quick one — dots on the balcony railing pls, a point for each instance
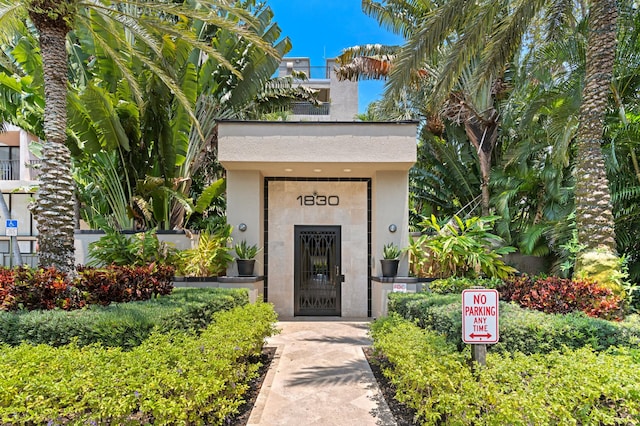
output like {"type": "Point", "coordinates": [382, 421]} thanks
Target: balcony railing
{"type": "Point", "coordinates": [305, 108]}
{"type": "Point", "coordinates": [10, 169]}
{"type": "Point", "coordinates": [321, 73]}
{"type": "Point", "coordinates": [30, 259]}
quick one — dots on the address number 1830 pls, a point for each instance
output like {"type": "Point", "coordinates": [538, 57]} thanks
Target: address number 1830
{"type": "Point", "coordinates": [318, 200]}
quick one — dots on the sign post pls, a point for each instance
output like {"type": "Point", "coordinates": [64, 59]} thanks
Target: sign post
{"type": "Point", "coordinates": [11, 230]}
{"type": "Point", "coordinates": [480, 320]}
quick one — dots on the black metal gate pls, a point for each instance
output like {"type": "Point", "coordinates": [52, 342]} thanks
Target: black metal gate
{"type": "Point", "coordinates": [317, 270]}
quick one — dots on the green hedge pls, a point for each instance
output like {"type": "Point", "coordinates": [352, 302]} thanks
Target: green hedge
{"type": "Point", "coordinates": [571, 387]}
{"type": "Point", "coordinates": [521, 330]}
{"type": "Point", "coordinates": [171, 378]}
{"type": "Point", "coordinates": [123, 325]}
{"type": "Point", "coordinates": [457, 284]}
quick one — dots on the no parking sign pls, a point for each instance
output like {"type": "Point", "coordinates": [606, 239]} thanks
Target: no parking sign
{"type": "Point", "coordinates": [480, 316]}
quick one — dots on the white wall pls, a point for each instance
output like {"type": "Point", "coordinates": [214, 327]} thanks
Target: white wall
{"type": "Point", "coordinates": [285, 212]}
{"type": "Point", "coordinates": [245, 205]}
{"type": "Point", "coordinates": [390, 206]}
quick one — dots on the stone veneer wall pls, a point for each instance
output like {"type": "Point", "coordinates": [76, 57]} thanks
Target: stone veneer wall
{"type": "Point", "coordinates": [285, 211]}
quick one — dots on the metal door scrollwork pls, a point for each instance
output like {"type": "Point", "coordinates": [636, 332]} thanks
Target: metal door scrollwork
{"type": "Point", "coordinates": [317, 284]}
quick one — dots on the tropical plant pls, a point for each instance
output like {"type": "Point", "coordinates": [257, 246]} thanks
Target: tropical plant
{"type": "Point", "coordinates": [21, 82]}
{"type": "Point", "coordinates": [210, 257]}
{"type": "Point", "coordinates": [168, 166]}
{"type": "Point", "coordinates": [390, 251]}
{"type": "Point", "coordinates": [556, 295]}
{"type": "Point", "coordinates": [458, 33]}
{"type": "Point", "coordinates": [468, 106]}
{"type": "Point", "coordinates": [246, 251]}
{"type": "Point", "coordinates": [624, 134]}
{"type": "Point", "coordinates": [139, 249]}
{"type": "Point", "coordinates": [445, 180]}
{"type": "Point", "coordinates": [486, 29]}
{"type": "Point", "coordinates": [153, 24]}
{"type": "Point", "coordinates": [461, 248]}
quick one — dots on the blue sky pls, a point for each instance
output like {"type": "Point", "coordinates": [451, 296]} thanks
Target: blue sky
{"type": "Point", "coordinates": [321, 29]}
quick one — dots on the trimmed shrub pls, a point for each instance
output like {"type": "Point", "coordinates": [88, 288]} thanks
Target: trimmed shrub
{"type": "Point", "coordinates": [174, 378]}
{"type": "Point", "coordinates": [555, 295]}
{"type": "Point", "coordinates": [522, 330]}
{"type": "Point", "coordinates": [195, 313]}
{"type": "Point", "coordinates": [570, 387]}
{"type": "Point", "coordinates": [457, 284]}
{"type": "Point", "coordinates": [527, 331]}
{"type": "Point", "coordinates": [123, 325]}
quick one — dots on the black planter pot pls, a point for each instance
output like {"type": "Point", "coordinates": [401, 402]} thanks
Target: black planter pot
{"type": "Point", "coordinates": [389, 267]}
{"type": "Point", "coordinates": [245, 267]}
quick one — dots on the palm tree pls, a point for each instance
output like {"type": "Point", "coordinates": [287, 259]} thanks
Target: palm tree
{"type": "Point", "coordinates": [474, 108]}
{"type": "Point", "coordinates": [594, 218]}
{"type": "Point", "coordinates": [148, 21]}
{"type": "Point", "coordinates": [533, 183]}
{"type": "Point", "coordinates": [143, 160]}
{"type": "Point", "coordinates": [624, 130]}
{"type": "Point", "coordinates": [494, 33]}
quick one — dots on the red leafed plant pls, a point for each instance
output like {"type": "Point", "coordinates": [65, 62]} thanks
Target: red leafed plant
{"type": "Point", "coordinates": [7, 280]}
{"type": "Point", "coordinates": [556, 295]}
{"type": "Point", "coordinates": [27, 288]}
{"type": "Point", "coordinates": [125, 283]}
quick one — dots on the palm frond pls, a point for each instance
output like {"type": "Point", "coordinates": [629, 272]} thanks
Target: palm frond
{"type": "Point", "coordinates": [12, 14]}
{"type": "Point", "coordinates": [505, 40]}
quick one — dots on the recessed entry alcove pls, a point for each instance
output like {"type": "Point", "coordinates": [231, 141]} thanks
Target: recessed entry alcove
{"type": "Point", "coordinates": [321, 199]}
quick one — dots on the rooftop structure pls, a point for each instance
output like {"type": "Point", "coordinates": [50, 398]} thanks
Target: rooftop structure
{"type": "Point", "coordinates": [339, 98]}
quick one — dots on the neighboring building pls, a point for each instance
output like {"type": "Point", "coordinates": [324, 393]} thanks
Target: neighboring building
{"type": "Point", "coordinates": [321, 199]}
{"type": "Point", "coordinates": [18, 171]}
{"type": "Point", "coordinates": [339, 98]}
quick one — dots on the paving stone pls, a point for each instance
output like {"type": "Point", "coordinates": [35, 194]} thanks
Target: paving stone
{"type": "Point", "coordinates": [320, 377]}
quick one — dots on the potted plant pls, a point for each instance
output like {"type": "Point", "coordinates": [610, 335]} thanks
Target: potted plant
{"type": "Point", "coordinates": [245, 257]}
{"type": "Point", "coordinates": [319, 265]}
{"type": "Point", "coordinates": [390, 260]}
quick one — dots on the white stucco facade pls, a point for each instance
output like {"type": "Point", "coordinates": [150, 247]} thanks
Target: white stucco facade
{"type": "Point", "coordinates": [291, 182]}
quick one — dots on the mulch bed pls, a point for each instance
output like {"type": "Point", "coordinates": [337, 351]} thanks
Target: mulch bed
{"type": "Point", "coordinates": [404, 415]}
{"type": "Point", "coordinates": [242, 418]}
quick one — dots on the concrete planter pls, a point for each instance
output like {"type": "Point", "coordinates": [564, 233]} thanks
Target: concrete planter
{"type": "Point", "coordinates": [198, 282]}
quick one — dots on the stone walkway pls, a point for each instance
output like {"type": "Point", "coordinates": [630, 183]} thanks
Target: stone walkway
{"type": "Point", "coordinates": [320, 376]}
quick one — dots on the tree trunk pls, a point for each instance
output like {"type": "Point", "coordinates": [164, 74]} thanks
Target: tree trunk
{"type": "Point", "coordinates": [483, 135]}
{"type": "Point", "coordinates": [54, 210]}
{"type": "Point", "coordinates": [594, 219]}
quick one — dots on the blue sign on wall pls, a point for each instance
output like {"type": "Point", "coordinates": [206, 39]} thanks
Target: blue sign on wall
{"type": "Point", "coordinates": [11, 228]}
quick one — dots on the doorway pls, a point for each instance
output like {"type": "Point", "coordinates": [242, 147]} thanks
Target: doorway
{"type": "Point", "coordinates": [317, 271]}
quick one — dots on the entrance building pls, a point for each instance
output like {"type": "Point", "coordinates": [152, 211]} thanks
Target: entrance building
{"type": "Point", "coordinates": [321, 199]}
